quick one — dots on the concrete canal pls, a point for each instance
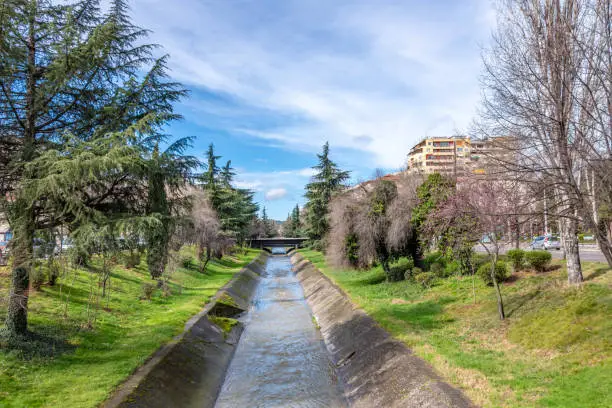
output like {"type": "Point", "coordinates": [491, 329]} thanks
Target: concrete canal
{"type": "Point", "coordinates": [281, 360]}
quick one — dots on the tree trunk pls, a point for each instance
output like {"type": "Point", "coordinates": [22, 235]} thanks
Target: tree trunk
{"type": "Point", "coordinates": [572, 251]}
{"type": "Point", "coordinates": [500, 301]}
{"type": "Point", "coordinates": [24, 218]}
{"type": "Point", "coordinates": [17, 314]}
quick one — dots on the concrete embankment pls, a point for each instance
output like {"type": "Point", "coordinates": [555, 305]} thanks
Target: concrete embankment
{"type": "Point", "coordinates": [377, 370]}
{"type": "Point", "coordinates": [189, 371]}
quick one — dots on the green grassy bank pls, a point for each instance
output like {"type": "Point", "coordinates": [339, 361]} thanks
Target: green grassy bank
{"type": "Point", "coordinates": [553, 350]}
{"type": "Point", "coordinates": [86, 362]}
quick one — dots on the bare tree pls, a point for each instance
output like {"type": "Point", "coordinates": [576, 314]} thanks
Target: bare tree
{"type": "Point", "coordinates": [545, 85]}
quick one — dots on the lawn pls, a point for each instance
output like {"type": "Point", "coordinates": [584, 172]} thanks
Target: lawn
{"type": "Point", "coordinates": [553, 350]}
{"type": "Point", "coordinates": [87, 363]}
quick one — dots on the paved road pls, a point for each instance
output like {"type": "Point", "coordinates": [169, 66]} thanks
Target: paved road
{"type": "Point", "coordinates": [587, 253]}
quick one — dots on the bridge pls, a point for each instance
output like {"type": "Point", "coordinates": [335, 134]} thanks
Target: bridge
{"type": "Point", "coordinates": [262, 243]}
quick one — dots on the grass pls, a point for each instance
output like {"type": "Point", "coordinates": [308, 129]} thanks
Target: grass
{"type": "Point", "coordinates": [553, 350]}
{"type": "Point", "coordinates": [96, 359]}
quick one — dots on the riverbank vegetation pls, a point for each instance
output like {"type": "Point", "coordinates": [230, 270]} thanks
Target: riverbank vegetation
{"type": "Point", "coordinates": [118, 235]}
{"type": "Point", "coordinates": [82, 349]}
{"type": "Point", "coordinates": [552, 350]}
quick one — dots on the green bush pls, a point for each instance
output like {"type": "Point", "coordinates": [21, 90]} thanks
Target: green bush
{"type": "Point", "coordinates": [37, 277]}
{"type": "Point", "coordinates": [425, 279]}
{"type": "Point", "coordinates": [516, 257]}
{"type": "Point", "coordinates": [399, 269]}
{"type": "Point", "coordinates": [132, 260]}
{"type": "Point", "coordinates": [452, 268]}
{"type": "Point", "coordinates": [434, 258]}
{"type": "Point", "coordinates": [187, 261]}
{"type": "Point", "coordinates": [479, 260]}
{"type": "Point", "coordinates": [438, 270]}
{"type": "Point", "coordinates": [412, 273]}
{"type": "Point", "coordinates": [53, 269]}
{"type": "Point", "coordinates": [538, 260]}
{"type": "Point", "coordinates": [501, 272]}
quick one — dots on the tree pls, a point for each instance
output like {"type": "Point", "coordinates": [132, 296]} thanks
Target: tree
{"type": "Point", "coordinates": [296, 223]}
{"type": "Point", "coordinates": [434, 190]}
{"type": "Point", "coordinates": [547, 85]}
{"type": "Point", "coordinates": [373, 223]}
{"type": "Point", "coordinates": [169, 171]}
{"type": "Point", "coordinates": [327, 181]}
{"type": "Point", "coordinates": [481, 207]}
{"type": "Point", "coordinates": [68, 82]}
{"type": "Point", "coordinates": [268, 225]}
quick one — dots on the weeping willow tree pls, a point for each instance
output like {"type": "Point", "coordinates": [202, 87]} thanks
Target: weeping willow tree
{"type": "Point", "coordinates": [73, 106]}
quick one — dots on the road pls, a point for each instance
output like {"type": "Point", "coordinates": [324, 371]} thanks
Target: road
{"type": "Point", "coordinates": [588, 253]}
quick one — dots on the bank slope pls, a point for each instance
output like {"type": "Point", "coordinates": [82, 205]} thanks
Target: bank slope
{"type": "Point", "coordinates": [554, 350]}
{"type": "Point", "coordinates": [78, 365]}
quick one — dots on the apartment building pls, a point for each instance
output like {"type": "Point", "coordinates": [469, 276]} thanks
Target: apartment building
{"type": "Point", "coordinates": [440, 154]}
{"type": "Point", "coordinates": [455, 155]}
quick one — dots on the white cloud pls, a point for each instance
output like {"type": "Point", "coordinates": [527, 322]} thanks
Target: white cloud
{"type": "Point", "coordinates": [371, 76]}
{"type": "Point", "coordinates": [275, 194]}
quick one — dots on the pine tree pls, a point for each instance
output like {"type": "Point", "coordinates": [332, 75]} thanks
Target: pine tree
{"type": "Point", "coordinates": [296, 224]}
{"type": "Point", "coordinates": [68, 75]}
{"type": "Point", "coordinates": [328, 180]}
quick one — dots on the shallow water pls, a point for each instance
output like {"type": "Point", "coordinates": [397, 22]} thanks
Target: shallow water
{"type": "Point", "coordinates": [281, 360]}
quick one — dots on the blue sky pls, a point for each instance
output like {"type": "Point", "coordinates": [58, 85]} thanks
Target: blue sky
{"type": "Point", "coordinates": [272, 80]}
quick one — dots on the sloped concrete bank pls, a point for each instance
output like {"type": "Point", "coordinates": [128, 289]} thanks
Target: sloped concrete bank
{"type": "Point", "coordinates": [377, 370]}
{"type": "Point", "coordinates": [189, 371]}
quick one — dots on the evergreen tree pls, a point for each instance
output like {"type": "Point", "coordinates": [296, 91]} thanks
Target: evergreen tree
{"type": "Point", "coordinates": [68, 75]}
{"type": "Point", "coordinates": [170, 170]}
{"type": "Point", "coordinates": [328, 180]}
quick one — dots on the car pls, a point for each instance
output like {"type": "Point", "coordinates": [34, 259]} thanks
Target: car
{"type": "Point", "coordinates": [65, 245]}
{"type": "Point", "coordinates": [552, 242]}
{"type": "Point", "coordinates": [545, 242]}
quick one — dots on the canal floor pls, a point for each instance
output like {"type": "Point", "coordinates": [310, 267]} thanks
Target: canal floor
{"type": "Point", "coordinates": [281, 360]}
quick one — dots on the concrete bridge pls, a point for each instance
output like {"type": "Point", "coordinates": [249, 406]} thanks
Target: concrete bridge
{"type": "Point", "coordinates": [262, 243]}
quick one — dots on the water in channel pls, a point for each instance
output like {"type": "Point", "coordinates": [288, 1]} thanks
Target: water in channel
{"type": "Point", "coordinates": [281, 360]}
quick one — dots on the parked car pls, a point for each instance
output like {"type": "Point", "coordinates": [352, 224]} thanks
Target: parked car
{"type": "Point", "coordinates": [42, 248]}
{"type": "Point", "coordinates": [65, 245]}
{"type": "Point", "coordinates": [4, 253]}
{"type": "Point", "coordinates": [546, 242]}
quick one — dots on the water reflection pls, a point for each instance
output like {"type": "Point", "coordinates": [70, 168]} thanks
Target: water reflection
{"type": "Point", "coordinates": [281, 360]}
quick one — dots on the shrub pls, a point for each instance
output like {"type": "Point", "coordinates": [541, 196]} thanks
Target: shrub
{"type": "Point", "coordinates": [433, 258]}
{"type": "Point", "coordinates": [412, 273]}
{"type": "Point", "coordinates": [501, 272]}
{"type": "Point", "coordinates": [479, 260]}
{"type": "Point", "coordinates": [425, 279]}
{"type": "Point", "coordinates": [538, 260]}
{"type": "Point", "coordinates": [399, 269]}
{"type": "Point", "coordinates": [437, 269]}
{"type": "Point", "coordinates": [132, 260]}
{"type": "Point", "coordinates": [147, 290]}
{"type": "Point", "coordinates": [54, 270]}
{"type": "Point", "coordinates": [187, 261]}
{"type": "Point", "coordinates": [37, 277]}
{"type": "Point", "coordinates": [452, 268]}
{"type": "Point", "coordinates": [516, 257]}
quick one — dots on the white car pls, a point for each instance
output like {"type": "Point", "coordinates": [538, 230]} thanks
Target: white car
{"type": "Point", "coordinates": [546, 242]}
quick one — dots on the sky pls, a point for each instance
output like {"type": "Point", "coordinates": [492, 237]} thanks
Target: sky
{"type": "Point", "coordinates": [272, 80]}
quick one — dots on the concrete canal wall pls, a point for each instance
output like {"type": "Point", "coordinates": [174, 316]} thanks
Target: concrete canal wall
{"type": "Point", "coordinates": [377, 370]}
{"type": "Point", "coordinates": [189, 371]}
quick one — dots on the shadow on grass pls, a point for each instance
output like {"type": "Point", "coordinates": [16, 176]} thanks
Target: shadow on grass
{"type": "Point", "coordinates": [46, 342]}
{"type": "Point", "coordinates": [516, 302]}
{"type": "Point", "coordinates": [598, 272]}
